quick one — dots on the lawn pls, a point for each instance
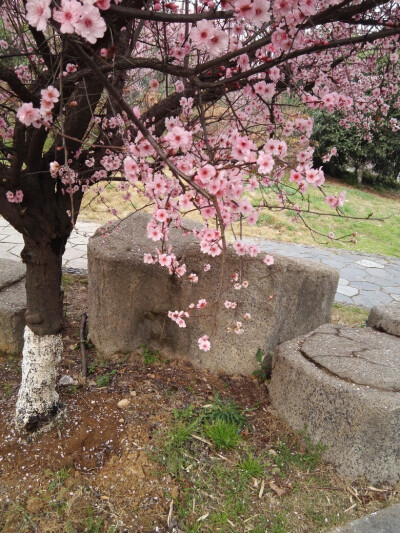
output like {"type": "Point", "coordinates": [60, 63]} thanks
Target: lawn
{"type": "Point", "coordinates": [361, 207]}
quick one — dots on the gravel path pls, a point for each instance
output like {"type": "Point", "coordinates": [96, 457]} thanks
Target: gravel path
{"type": "Point", "coordinates": [365, 280]}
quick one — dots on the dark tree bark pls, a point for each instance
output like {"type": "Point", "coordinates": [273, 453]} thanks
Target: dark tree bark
{"type": "Point", "coordinates": [43, 260]}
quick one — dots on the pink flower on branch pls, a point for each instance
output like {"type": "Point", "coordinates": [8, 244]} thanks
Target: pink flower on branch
{"type": "Point", "coordinates": [38, 13]}
{"type": "Point", "coordinates": [28, 115]}
{"type": "Point", "coordinates": [15, 198]}
{"type": "Point", "coordinates": [204, 343]}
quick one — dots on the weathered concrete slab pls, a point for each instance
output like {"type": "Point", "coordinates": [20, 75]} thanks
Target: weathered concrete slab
{"type": "Point", "coordinates": [129, 300]}
{"type": "Point", "coordinates": [12, 317]}
{"type": "Point", "coordinates": [342, 385]}
{"type": "Point", "coordinates": [386, 318]}
{"type": "Point", "coordinates": [385, 521]}
{"type": "Point", "coordinates": [10, 272]}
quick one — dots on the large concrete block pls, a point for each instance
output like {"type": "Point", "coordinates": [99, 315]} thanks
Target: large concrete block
{"type": "Point", "coordinates": [12, 306]}
{"type": "Point", "coordinates": [342, 386]}
{"type": "Point", "coordinates": [386, 318]}
{"type": "Point", "coordinates": [129, 300]}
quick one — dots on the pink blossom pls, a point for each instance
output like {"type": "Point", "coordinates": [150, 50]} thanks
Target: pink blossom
{"type": "Point", "coordinates": [180, 271]}
{"type": "Point", "coordinates": [154, 85]}
{"type": "Point", "coordinates": [90, 25]}
{"type": "Point", "coordinates": [38, 13]}
{"type": "Point", "coordinates": [67, 16]}
{"type": "Point", "coordinates": [204, 343]}
{"type": "Point", "coordinates": [164, 260]}
{"type": "Point", "coordinates": [161, 215]}
{"type": "Point", "coordinates": [201, 304]}
{"type": "Point", "coordinates": [51, 94]}
{"type": "Point", "coordinates": [179, 86]}
{"type": "Point", "coordinates": [259, 13]}
{"type": "Point", "coordinates": [269, 260]}
{"type": "Point", "coordinates": [103, 4]}
{"type": "Point", "coordinates": [178, 138]}
{"type": "Point", "coordinates": [15, 198]}
{"type": "Point", "coordinates": [131, 169]}
{"type": "Point", "coordinates": [154, 233]}
{"type": "Point", "coordinates": [265, 163]}
{"type": "Point", "coordinates": [27, 114]}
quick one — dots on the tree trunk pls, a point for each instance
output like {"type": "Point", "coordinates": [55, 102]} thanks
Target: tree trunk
{"type": "Point", "coordinates": [38, 400]}
{"type": "Point", "coordinates": [360, 173]}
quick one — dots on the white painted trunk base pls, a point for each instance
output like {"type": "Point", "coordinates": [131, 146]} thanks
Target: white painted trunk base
{"type": "Point", "coordinates": [37, 397]}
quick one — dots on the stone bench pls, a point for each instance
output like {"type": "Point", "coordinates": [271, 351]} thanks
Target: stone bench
{"type": "Point", "coordinates": [129, 300]}
{"type": "Point", "coordinates": [342, 385]}
{"type": "Point", "coordinates": [12, 306]}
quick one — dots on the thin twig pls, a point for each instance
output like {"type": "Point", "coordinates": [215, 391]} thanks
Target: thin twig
{"type": "Point", "coordinates": [83, 344]}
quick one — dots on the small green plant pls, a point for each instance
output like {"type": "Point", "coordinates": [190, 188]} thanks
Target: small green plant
{"type": "Point", "coordinates": [104, 380]}
{"type": "Point", "coordinates": [149, 357]}
{"type": "Point", "coordinates": [7, 389]}
{"type": "Point", "coordinates": [179, 435]}
{"type": "Point", "coordinates": [251, 467]}
{"type": "Point", "coordinates": [186, 414]}
{"type": "Point", "coordinates": [223, 434]}
{"type": "Point", "coordinates": [93, 525]}
{"type": "Point", "coordinates": [58, 478]}
{"type": "Point", "coordinates": [306, 459]}
{"type": "Point", "coordinates": [279, 524]}
{"type": "Point", "coordinates": [265, 361]}
{"type": "Point", "coordinates": [225, 411]}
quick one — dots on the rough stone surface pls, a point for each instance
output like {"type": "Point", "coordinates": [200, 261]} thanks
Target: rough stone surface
{"type": "Point", "coordinates": [386, 318]}
{"type": "Point", "coordinates": [10, 272]}
{"type": "Point", "coordinates": [12, 317]}
{"type": "Point", "coordinates": [129, 300]}
{"type": "Point", "coordinates": [385, 521]}
{"type": "Point", "coordinates": [342, 385]}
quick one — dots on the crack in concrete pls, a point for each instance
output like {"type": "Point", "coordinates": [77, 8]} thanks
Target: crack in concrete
{"type": "Point", "coordinates": [341, 378]}
{"type": "Point", "coordinates": [355, 356]}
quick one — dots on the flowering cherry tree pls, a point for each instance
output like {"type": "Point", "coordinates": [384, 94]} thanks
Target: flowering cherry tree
{"type": "Point", "coordinates": [194, 105]}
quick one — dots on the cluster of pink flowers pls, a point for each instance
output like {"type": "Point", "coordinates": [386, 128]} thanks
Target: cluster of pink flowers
{"type": "Point", "coordinates": [204, 343]}
{"type": "Point", "coordinates": [178, 317]}
{"type": "Point", "coordinates": [29, 115]}
{"type": "Point", "coordinates": [209, 38]}
{"type": "Point", "coordinates": [335, 201]}
{"type": "Point", "coordinates": [84, 19]}
{"type": "Point", "coordinates": [15, 198]}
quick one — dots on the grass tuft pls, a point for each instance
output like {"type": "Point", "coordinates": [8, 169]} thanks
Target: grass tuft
{"type": "Point", "coordinates": [223, 434]}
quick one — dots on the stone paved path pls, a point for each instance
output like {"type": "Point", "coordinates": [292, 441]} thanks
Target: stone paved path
{"type": "Point", "coordinates": [365, 280]}
{"type": "Point", "coordinates": [11, 244]}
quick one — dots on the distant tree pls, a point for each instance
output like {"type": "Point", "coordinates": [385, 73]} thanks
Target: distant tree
{"type": "Point", "coordinates": [368, 154]}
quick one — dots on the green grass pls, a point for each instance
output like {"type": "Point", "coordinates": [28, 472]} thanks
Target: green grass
{"type": "Point", "coordinates": [149, 357]}
{"type": "Point", "coordinates": [349, 315]}
{"type": "Point", "coordinates": [373, 236]}
{"type": "Point", "coordinates": [223, 434]}
{"type": "Point", "coordinates": [105, 379]}
{"type": "Point", "coordinates": [229, 485]}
